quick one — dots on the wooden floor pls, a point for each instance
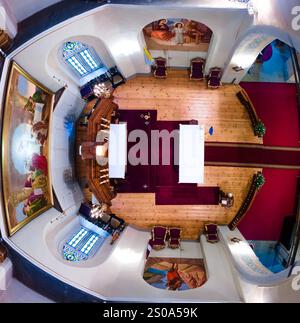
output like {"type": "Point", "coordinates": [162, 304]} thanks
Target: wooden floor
{"type": "Point", "coordinates": [140, 209]}
{"type": "Point", "coordinates": [178, 98]}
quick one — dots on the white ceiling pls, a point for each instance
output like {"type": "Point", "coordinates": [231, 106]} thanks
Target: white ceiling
{"type": "Point", "coordinates": [25, 8]}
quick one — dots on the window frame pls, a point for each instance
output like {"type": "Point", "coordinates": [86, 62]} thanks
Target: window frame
{"type": "Point", "coordinates": [84, 57]}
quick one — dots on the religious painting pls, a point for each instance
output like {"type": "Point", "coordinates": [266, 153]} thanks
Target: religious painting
{"type": "Point", "coordinates": [177, 34]}
{"type": "Point", "coordinates": [25, 141]}
{"type": "Point", "coordinates": [175, 273]}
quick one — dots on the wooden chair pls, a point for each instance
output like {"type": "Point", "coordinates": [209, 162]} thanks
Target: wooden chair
{"type": "Point", "coordinates": [211, 232]}
{"type": "Point", "coordinates": [197, 66]}
{"type": "Point", "coordinates": [160, 70]}
{"type": "Point", "coordinates": [214, 78]}
{"type": "Point", "coordinates": [159, 235]}
{"type": "Point", "coordinates": [174, 238]}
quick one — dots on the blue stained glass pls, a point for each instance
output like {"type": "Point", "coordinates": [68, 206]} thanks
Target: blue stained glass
{"type": "Point", "coordinates": [82, 244]}
{"type": "Point", "coordinates": [81, 58]}
{"type": "Point", "coordinates": [71, 48]}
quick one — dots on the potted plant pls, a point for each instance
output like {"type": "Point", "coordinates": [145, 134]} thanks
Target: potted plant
{"type": "Point", "coordinates": [259, 180]}
{"type": "Point", "coordinates": [259, 129]}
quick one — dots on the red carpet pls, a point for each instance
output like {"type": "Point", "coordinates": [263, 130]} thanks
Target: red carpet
{"type": "Point", "coordinates": [276, 106]}
{"type": "Point", "coordinates": [272, 204]}
{"type": "Point", "coordinates": [251, 155]}
{"type": "Point", "coordinates": [139, 178]}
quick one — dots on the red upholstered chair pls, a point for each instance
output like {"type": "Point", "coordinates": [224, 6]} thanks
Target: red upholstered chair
{"type": "Point", "coordinates": [174, 237]}
{"type": "Point", "coordinates": [197, 66]}
{"type": "Point", "coordinates": [211, 232]}
{"type": "Point", "coordinates": [158, 240]}
{"type": "Point", "coordinates": [160, 70]}
{"type": "Point", "coordinates": [214, 78]}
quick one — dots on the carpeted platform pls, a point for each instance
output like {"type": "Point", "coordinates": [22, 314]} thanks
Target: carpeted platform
{"type": "Point", "coordinates": [161, 179]}
{"type": "Point", "coordinates": [272, 204]}
{"type": "Point", "coordinates": [276, 106]}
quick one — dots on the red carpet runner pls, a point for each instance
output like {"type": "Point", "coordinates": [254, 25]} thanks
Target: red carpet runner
{"type": "Point", "coordinates": [224, 154]}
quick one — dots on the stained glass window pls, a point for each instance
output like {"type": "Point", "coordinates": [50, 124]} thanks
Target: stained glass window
{"type": "Point", "coordinates": [83, 244]}
{"type": "Point", "coordinates": [81, 58]}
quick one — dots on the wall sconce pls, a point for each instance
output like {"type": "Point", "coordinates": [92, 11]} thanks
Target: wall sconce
{"type": "Point", "coordinates": [238, 68]}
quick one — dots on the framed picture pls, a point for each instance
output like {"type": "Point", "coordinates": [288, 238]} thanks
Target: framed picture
{"type": "Point", "coordinates": [25, 149]}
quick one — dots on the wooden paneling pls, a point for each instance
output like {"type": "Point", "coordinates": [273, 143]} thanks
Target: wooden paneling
{"type": "Point", "coordinates": [140, 209]}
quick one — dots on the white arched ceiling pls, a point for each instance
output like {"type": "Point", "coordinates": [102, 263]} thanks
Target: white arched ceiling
{"type": "Point", "coordinates": [245, 55]}
{"type": "Point", "coordinates": [249, 46]}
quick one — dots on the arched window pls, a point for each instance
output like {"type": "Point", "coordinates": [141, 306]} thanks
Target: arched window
{"type": "Point", "coordinates": [81, 58]}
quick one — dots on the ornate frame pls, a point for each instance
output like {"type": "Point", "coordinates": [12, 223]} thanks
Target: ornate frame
{"type": "Point", "coordinates": [6, 149]}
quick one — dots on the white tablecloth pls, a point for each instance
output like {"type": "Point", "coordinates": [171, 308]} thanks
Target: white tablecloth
{"type": "Point", "coordinates": [117, 150]}
{"type": "Point", "coordinates": [191, 154]}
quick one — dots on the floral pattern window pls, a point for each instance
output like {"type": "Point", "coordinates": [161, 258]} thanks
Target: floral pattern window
{"type": "Point", "coordinates": [82, 59]}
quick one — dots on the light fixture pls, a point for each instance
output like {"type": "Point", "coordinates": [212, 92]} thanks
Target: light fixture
{"type": "Point", "coordinates": [238, 68]}
{"type": "Point", "coordinates": [101, 91]}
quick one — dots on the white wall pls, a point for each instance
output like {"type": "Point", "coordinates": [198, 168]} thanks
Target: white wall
{"type": "Point", "coordinates": [69, 195]}
{"type": "Point", "coordinates": [178, 58]}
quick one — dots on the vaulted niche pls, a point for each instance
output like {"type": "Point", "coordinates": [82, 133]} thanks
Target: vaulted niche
{"type": "Point", "coordinates": [177, 34]}
{"type": "Point", "coordinates": [81, 58]}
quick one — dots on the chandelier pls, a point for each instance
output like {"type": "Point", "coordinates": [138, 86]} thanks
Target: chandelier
{"type": "Point", "coordinates": [101, 91]}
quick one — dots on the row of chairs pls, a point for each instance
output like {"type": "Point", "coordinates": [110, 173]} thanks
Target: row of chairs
{"type": "Point", "coordinates": [160, 236]}
{"type": "Point", "coordinates": [196, 71]}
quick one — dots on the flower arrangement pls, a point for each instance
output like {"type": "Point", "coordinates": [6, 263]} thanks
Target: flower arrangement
{"type": "Point", "coordinates": [259, 129]}
{"type": "Point", "coordinates": [259, 180]}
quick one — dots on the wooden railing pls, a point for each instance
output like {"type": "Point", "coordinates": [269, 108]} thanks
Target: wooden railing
{"type": "Point", "coordinates": [246, 204]}
{"type": "Point", "coordinates": [102, 191]}
{"type": "Point", "coordinates": [246, 102]}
